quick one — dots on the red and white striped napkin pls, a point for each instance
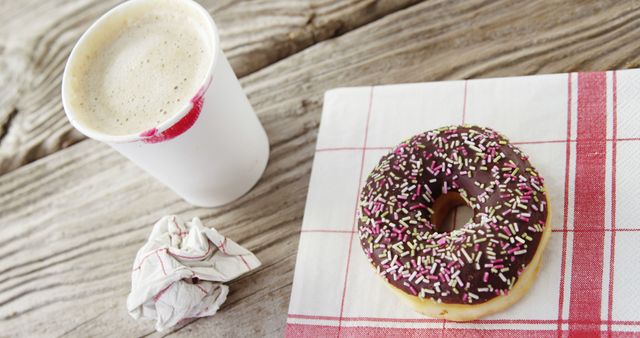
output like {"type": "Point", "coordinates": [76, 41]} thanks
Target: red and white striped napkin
{"type": "Point", "coordinates": [582, 132]}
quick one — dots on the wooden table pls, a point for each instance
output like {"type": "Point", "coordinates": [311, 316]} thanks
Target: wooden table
{"type": "Point", "coordinates": [73, 212]}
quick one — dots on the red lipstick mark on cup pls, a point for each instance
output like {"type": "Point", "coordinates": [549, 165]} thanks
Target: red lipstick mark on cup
{"type": "Point", "coordinates": [149, 133]}
{"type": "Point", "coordinates": [153, 136]}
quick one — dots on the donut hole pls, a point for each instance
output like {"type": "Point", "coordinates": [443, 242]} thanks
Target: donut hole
{"type": "Point", "coordinates": [450, 212]}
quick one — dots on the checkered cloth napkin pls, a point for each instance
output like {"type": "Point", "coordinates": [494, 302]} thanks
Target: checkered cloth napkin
{"type": "Point", "coordinates": [582, 132]}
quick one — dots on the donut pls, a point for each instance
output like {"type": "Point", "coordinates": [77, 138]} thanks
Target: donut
{"type": "Point", "coordinates": [455, 274]}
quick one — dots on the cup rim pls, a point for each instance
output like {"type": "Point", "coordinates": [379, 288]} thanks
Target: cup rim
{"type": "Point", "coordinates": [166, 124]}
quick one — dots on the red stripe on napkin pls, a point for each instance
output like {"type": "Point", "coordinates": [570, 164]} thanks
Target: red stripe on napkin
{"type": "Point", "coordinates": [589, 207]}
{"type": "Point", "coordinates": [304, 330]}
{"type": "Point", "coordinates": [565, 212]}
{"type": "Point", "coordinates": [614, 151]}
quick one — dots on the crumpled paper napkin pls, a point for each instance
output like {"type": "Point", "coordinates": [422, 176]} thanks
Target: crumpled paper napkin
{"type": "Point", "coordinates": [178, 273]}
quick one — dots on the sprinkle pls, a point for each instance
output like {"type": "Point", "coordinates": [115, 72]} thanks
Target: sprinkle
{"type": "Point", "coordinates": [466, 255]}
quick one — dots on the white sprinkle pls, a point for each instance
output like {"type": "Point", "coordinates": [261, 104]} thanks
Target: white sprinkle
{"type": "Point", "coordinates": [413, 275]}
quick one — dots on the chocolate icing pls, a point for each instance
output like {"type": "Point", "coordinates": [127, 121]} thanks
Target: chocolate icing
{"type": "Point", "coordinates": [470, 265]}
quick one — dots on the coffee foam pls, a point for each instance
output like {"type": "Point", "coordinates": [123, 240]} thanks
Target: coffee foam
{"type": "Point", "coordinates": [139, 67]}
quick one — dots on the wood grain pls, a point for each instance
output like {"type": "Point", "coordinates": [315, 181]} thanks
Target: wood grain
{"type": "Point", "coordinates": [72, 221]}
{"type": "Point", "coordinates": [36, 39]}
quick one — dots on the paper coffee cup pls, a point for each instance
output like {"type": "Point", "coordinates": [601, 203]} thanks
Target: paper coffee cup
{"type": "Point", "coordinates": [213, 150]}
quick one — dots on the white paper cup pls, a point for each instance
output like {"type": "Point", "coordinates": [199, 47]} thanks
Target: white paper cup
{"type": "Point", "coordinates": [210, 152]}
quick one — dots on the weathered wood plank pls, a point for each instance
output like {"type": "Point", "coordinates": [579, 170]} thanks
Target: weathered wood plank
{"type": "Point", "coordinates": [36, 39]}
{"type": "Point", "coordinates": [72, 222]}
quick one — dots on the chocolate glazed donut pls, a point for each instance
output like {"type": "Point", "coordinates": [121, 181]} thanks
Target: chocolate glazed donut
{"type": "Point", "coordinates": [456, 274]}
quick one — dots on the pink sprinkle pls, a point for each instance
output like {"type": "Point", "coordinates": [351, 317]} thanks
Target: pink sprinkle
{"type": "Point", "coordinates": [485, 278]}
